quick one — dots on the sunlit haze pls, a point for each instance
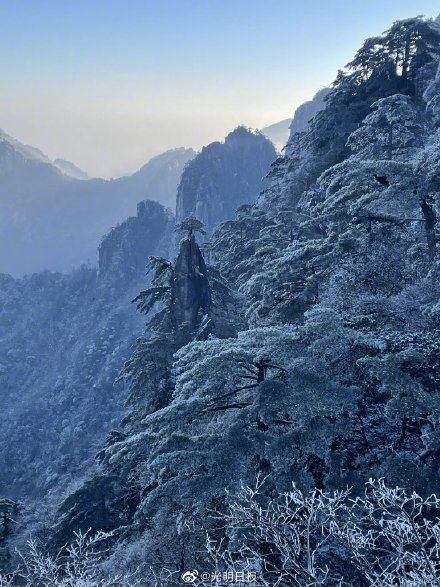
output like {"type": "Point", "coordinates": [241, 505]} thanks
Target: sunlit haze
{"type": "Point", "coordinates": [107, 85]}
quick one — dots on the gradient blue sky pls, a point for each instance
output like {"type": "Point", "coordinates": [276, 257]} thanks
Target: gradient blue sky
{"type": "Point", "coordinates": [109, 83]}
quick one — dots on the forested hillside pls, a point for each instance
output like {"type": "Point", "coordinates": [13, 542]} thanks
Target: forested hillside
{"type": "Point", "coordinates": [63, 340]}
{"type": "Point", "coordinates": [299, 345]}
{"type": "Point", "coordinates": [335, 273]}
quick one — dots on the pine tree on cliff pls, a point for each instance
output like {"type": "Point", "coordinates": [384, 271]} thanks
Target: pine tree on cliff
{"type": "Point", "coordinates": [186, 301]}
{"type": "Point", "coordinates": [181, 288]}
{"type": "Point", "coordinates": [177, 300]}
{"type": "Point", "coordinates": [397, 59]}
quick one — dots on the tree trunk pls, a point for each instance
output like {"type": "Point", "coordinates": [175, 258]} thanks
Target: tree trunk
{"type": "Point", "coordinates": [426, 205]}
{"type": "Point", "coordinates": [406, 56]}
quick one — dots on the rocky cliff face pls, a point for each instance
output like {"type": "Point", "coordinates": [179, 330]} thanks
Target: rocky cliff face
{"type": "Point", "coordinates": [304, 113]}
{"type": "Point", "coordinates": [124, 251]}
{"type": "Point", "coordinates": [190, 291]}
{"type": "Point", "coordinates": [224, 176]}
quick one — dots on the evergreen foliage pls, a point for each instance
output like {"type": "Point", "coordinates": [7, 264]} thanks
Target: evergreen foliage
{"type": "Point", "coordinates": [301, 344]}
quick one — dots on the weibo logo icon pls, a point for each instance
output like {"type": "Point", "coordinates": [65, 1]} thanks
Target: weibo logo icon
{"type": "Point", "coordinates": [189, 576]}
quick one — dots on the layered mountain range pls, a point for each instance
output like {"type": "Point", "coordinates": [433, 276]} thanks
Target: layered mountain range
{"type": "Point", "coordinates": [52, 215]}
{"type": "Point", "coordinates": [53, 220]}
{"type": "Point", "coordinates": [298, 345]}
{"type": "Point", "coordinates": [57, 327]}
{"type": "Point", "coordinates": [327, 374]}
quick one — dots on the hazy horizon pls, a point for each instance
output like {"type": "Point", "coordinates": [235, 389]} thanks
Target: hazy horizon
{"type": "Point", "coordinates": [109, 87]}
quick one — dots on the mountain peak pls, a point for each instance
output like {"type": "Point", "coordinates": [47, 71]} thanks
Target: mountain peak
{"type": "Point", "coordinates": [33, 154]}
{"type": "Point", "coordinates": [239, 134]}
{"type": "Point", "coordinates": [223, 176]}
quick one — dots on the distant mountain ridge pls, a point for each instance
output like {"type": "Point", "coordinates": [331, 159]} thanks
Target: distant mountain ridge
{"type": "Point", "coordinates": [50, 220]}
{"type": "Point", "coordinates": [66, 167]}
{"type": "Point", "coordinates": [26, 150]}
{"type": "Point", "coordinates": [70, 169]}
{"type": "Point", "coordinates": [278, 133]}
{"type": "Point", "coordinates": [52, 214]}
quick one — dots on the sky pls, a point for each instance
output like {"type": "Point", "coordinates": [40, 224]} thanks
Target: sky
{"type": "Point", "coordinates": [108, 84]}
